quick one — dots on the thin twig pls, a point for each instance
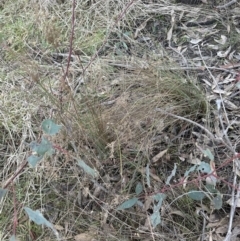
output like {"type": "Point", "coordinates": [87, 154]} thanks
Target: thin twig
{"type": "Point", "coordinates": [217, 139]}
{"type": "Point", "coordinates": [71, 41]}
{"type": "Point", "coordinates": [234, 201]}
{"type": "Point", "coordinates": [227, 4]}
{"type": "Point", "coordinates": [63, 80]}
{"type": "Point", "coordinates": [15, 216]}
{"type": "Point", "coordinates": [224, 130]}
{"type": "Point", "coordinates": [20, 169]}
{"type": "Point", "coordinates": [195, 123]}
{"type": "Point", "coordinates": [190, 121]}
{"type": "Point", "coordinates": [204, 225]}
{"type": "Point", "coordinates": [135, 66]}
{"type": "Point", "coordinates": [201, 68]}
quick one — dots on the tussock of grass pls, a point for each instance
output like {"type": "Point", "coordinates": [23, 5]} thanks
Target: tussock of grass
{"type": "Point", "coordinates": [141, 93]}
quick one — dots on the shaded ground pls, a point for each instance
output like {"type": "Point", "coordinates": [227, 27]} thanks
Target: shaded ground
{"type": "Point", "coordinates": [135, 71]}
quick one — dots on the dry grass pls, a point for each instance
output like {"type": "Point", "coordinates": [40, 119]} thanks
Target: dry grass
{"type": "Point", "coordinates": [109, 121]}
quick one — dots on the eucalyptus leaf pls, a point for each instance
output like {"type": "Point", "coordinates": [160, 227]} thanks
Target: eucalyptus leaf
{"type": "Point", "coordinates": [196, 195]}
{"type": "Point", "coordinates": [139, 188]}
{"type": "Point", "coordinates": [204, 168]}
{"type": "Point", "coordinates": [155, 219]}
{"type": "Point", "coordinates": [128, 204]}
{"type": "Point", "coordinates": [50, 127]}
{"type": "Point", "coordinates": [87, 169]}
{"type": "Point", "coordinates": [42, 148]}
{"type": "Point", "coordinates": [33, 160]}
{"type": "Point", "coordinates": [209, 154]}
{"type": "Point", "coordinates": [172, 174]}
{"type": "Point", "coordinates": [37, 217]}
{"type": "Point", "coordinates": [192, 169]}
{"type": "Point", "coordinates": [159, 197]}
{"type": "Point", "coordinates": [140, 204]}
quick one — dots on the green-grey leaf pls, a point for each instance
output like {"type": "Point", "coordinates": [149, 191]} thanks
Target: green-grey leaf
{"type": "Point", "coordinates": [138, 188]}
{"type": "Point", "coordinates": [192, 169]}
{"type": "Point", "coordinates": [155, 219]}
{"type": "Point", "coordinates": [2, 193]}
{"type": "Point", "coordinates": [211, 188]}
{"type": "Point", "coordinates": [33, 145]}
{"type": "Point", "coordinates": [139, 203]}
{"type": "Point", "coordinates": [128, 204]}
{"type": "Point", "coordinates": [37, 217]}
{"type": "Point", "coordinates": [204, 168]}
{"type": "Point", "coordinates": [159, 197]}
{"type": "Point", "coordinates": [87, 168]}
{"type": "Point", "coordinates": [43, 147]}
{"type": "Point", "coordinates": [209, 154]}
{"type": "Point", "coordinates": [49, 127]}
{"type": "Point", "coordinates": [33, 160]}
{"type": "Point", "coordinates": [172, 174]}
{"type": "Point", "coordinates": [217, 202]}
{"type": "Point", "coordinates": [50, 152]}
{"type": "Point", "coordinates": [196, 195]}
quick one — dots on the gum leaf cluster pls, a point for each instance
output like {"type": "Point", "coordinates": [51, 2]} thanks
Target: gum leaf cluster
{"type": "Point", "coordinates": [39, 150]}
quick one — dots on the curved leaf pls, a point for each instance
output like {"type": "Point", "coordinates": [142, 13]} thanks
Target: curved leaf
{"type": "Point", "coordinates": [192, 169]}
{"type": "Point", "coordinates": [155, 219]}
{"type": "Point", "coordinates": [37, 217]}
{"type": "Point", "coordinates": [139, 188]}
{"type": "Point", "coordinates": [209, 154]}
{"type": "Point", "coordinates": [196, 195]}
{"type": "Point", "coordinates": [172, 174]}
{"type": "Point", "coordinates": [87, 168]}
{"type": "Point", "coordinates": [128, 204]}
